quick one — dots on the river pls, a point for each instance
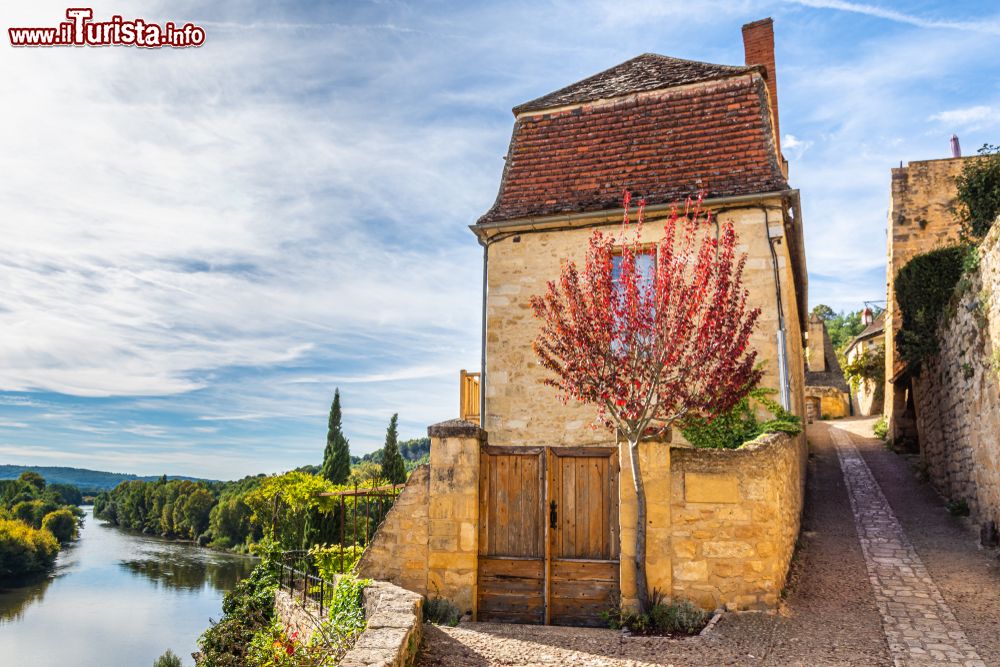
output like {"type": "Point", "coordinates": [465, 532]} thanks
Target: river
{"type": "Point", "coordinates": [116, 598]}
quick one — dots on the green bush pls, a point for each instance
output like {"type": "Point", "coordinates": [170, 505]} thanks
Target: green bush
{"type": "Point", "coordinates": [959, 507]}
{"type": "Point", "coordinates": [675, 618]}
{"type": "Point", "coordinates": [62, 525]}
{"type": "Point", "coordinates": [246, 609]}
{"type": "Point", "coordinates": [168, 659]}
{"type": "Point", "coordinates": [923, 288]}
{"type": "Point", "coordinates": [440, 611]}
{"type": "Point", "coordinates": [24, 549]}
{"type": "Point", "coordinates": [979, 193]}
{"type": "Point", "coordinates": [740, 425]}
{"type": "Point", "coordinates": [881, 428]}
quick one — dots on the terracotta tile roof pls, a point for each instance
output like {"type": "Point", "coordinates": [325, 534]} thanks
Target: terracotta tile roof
{"type": "Point", "coordinates": [663, 145]}
{"type": "Point", "coordinates": [642, 73]}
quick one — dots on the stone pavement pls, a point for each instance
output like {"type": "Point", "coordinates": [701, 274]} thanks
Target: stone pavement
{"type": "Point", "coordinates": [918, 624]}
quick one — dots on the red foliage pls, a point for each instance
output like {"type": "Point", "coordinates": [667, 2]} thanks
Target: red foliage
{"type": "Point", "coordinates": [649, 351]}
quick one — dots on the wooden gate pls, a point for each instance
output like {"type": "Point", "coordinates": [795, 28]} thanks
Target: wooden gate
{"type": "Point", "coordinates": [548, 534]}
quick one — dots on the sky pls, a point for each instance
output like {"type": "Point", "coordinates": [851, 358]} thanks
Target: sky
{"type": "Point", "coordinates": [199, 245]}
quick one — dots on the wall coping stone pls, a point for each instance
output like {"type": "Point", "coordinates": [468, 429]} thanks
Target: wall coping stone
{"type": "Point", "coordinates": [821, 390]}
{"type": "Point", "coordinates": [456, 428]}
{"type": "Point", "coordinates": [393, 633]}
{"type": "Point", "coordinates": [764, 446]}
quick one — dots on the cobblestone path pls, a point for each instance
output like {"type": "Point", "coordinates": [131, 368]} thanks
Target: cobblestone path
{"type": "Point", "coordinates": [918, 624]}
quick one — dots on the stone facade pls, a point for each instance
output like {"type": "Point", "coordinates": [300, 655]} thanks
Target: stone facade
{"type": "Point", "coordinates": [735, 520]}
{"type": "Point", "coordinates": [721, 524]}
{"type": "Point", "coordinates": [920, 220]}
{"type": "Point", "coordinates": [521, 411]}
{"type": "Point", "coordinates": [297, 616]}
{"type": "Point", "coordinates": [957, 394]}
{"type": "Point", "coordinates": [398, 552]}
{"type": "Point", "coordinates": [826, 403]}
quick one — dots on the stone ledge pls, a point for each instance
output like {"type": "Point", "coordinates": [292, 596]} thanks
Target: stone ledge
{"type": "Point", "coordinates": [394, 628]}
{"type": "Point", "coordinates": [456, 428]}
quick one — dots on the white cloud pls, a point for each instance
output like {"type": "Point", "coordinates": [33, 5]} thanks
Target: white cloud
{"type": "Point", "coordinates": [987, 26]}
{"type": "Point", "coordinates": [969, 118]}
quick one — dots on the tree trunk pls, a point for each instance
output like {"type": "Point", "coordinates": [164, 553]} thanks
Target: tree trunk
{"type": "Point", "coordinates": [641, 586]}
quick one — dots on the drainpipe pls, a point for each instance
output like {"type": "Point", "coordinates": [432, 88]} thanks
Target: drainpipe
{"type": "Point", "coordinates": [785, 388]}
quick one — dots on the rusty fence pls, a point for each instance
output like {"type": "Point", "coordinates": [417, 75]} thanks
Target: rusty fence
{"type": "Point", "coordinates": [356, 515]}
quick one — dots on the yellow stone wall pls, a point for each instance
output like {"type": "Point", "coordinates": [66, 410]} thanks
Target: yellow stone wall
{"type": "Point", "coordinates": [453, 520]}
{"type": "Point", "coordinates": [815, 354]}
{"type": "Point", "coordinates": [735, 520]}
{"type": "Point", "coordinates": [920, 220]}
{"type": "Point", "coordinates": [521, 411]}
{"type": "Point", "coordinates": [654, 461]}
{"type": "Point", "coordinates": [398, 551]}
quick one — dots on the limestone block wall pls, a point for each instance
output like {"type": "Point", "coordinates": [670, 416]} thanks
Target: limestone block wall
{"type": "Point", "coordinates": [521, 411]}
{"type": "Point", "coordinates": [735, 520]}
{"type": "Point", "coordinates": [957, 394]}
{"type": "Point", "coordinates": [398, 552]}
{"type": "Point", "coordinates": [654, 461]}
{"type": "Point", "coordinates": [920, 220]}
{"type": "Point", "coordinates": [833, 403]}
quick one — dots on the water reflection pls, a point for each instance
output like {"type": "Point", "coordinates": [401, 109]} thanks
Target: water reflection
{"type": "Point", "coordinates": [116, 598]}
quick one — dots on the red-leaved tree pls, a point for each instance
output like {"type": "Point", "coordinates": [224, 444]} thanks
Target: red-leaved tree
{"type": "Point", "coordinates": [651, 335]}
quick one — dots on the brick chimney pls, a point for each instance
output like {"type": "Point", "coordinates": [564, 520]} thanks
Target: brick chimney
{"type": "Point", "coordinates": [758, 47]}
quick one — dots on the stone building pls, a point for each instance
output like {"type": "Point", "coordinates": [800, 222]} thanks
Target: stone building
{"type": "Point", "coordinates": [665, 129]}
{"type": "Point", "coordinates": [921, 219]}
{"type": "Point", "coordinates": [868, 399]}
{"type": "Point", "coordinates": [827, 393]}
{"type": "Point", "coordinates": [525, 516]}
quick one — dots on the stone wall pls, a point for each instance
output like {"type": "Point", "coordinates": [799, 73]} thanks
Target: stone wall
{"type": "Point", "coordinates": [398, 552]}
{"type": "Point", "coordinates": [297, 616]}
{"type": "Point", "coordinates": [957, 394]}
{"type": "Point", "coordinates": [920, 220]}
{"type": "Point", "coordinates": [735, 520]}
{"type": "Point", "coordinates": [393, 617]}
{"type": "Point", "coordinates": [521, 411]}
{"type": "Point", "coordinates": [833, 403]}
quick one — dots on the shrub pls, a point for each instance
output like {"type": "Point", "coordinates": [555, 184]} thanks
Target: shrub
{"type": "Point", "coordinates": [247, 609]}
{"type": "Point", "coordinates": [881, 428]}
{"type": "Point", "coordinates": [923, 288]}
{"type": "Point", "coordinates": [440, 611]}
{"type": "Point", "coordinates": [62, 525]}
{"type": "Point", "coordinates": [25, 550]}
{"type": "Point", "coordinates": [168, 659]}
{"type": "Point", "coordinates": [958, 507]}
{"type": "Point", "coordinates": [676, 618]}
{"type": "Point", "coordinates": [979, 193]}
{"type": "Point", "coordinates": [732, 429]}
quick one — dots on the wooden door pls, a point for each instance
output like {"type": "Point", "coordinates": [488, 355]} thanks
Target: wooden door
{"type": "Point", "coordinates": [511, 535]}
{"type": "Point", "coordinates": [583, 534]}
{"type": "Point", "coordinates": [548, 534]}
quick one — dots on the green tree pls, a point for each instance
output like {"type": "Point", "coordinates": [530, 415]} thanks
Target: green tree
{"type": "Point", "coordinates": [337, 455]}
{"type": "Point", "coordinates": [168, 659]}
{"type": "Point", "coordinates": [32, 478]}
{"type": "Point", "coordinates": [62, 525]}
{"type": "Point", "coordinates": [197, 511]}
{"type": "Point", "coordinates": [393, 468]}
{"type": "Point", "coordinates": [979, 193]}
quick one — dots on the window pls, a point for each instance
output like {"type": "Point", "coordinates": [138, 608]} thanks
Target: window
{"type": "Point", "coordinates": [645, 263]}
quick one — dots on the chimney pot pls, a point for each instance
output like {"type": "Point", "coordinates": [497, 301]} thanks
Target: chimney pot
{"type": "Point", "coordinates": [956, 148]}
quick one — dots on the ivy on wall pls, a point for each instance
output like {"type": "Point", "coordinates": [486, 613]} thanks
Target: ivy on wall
{"type": "Point", "coordinates": [865, 368]}
{"type": "Point", "coordinates": [979, 193]}
{"type": "Point", "coordinates": [923, 288]}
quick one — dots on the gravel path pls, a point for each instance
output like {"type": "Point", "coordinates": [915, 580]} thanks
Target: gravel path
{"type": "Point", "coordinates": [829, 616]}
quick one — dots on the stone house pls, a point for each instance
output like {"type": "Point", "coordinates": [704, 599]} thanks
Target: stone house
{"type": "Point", "coordinates": [868, 399]}
{"type": "Point", "coordinates": [525, 516]}
{"type": "Point", "coordinates": [827, 393]}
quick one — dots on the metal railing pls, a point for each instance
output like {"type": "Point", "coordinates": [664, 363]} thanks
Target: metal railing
{"type": "Point", "coordinates": [357, 515]}
{"type": "Point", "coordinates": [300, 578]}
{"type": "Point", "coordinates": [468, 396]}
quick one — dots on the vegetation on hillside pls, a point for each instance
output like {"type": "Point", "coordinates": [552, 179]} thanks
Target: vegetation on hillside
{"type": "Point", "coordinates": [87, 482]}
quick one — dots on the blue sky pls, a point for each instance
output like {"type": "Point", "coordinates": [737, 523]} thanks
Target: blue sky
{"type": "Point", "coordinates": [199, 245]}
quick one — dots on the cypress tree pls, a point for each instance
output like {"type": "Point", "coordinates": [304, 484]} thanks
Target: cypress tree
{"type": "Point", "coordinates": [337, 455]}
{"type": "Point", "coordinates": [393, 468]}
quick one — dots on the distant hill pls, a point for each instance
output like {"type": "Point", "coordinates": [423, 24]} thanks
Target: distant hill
{"type": "Point", "coordinates": [85, 480]}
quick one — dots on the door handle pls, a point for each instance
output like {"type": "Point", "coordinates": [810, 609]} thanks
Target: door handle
{"type": "Point", "coordinates": [553, 514]}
